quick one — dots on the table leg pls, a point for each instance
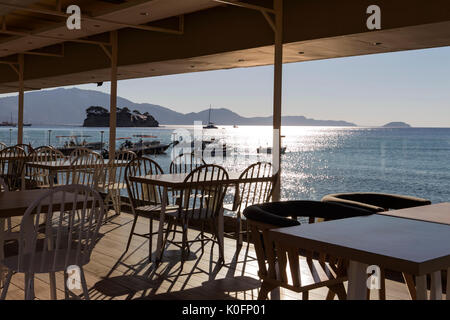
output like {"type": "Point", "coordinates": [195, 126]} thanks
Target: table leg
{"type": "Point", "coordinates": [436, 286]}
{"type": "Point", "coordinates": [447, 292]}
{"type": "Point", "coordinates": [357, 281]}
{"type": "Point", "coordinates": [159, 248]}
{"type": "Point", "coordinates": [421, 287]}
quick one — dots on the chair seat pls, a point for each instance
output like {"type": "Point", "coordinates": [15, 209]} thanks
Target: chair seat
{"type": "Point", "coordinates": [196, 214]}
{"type": "Point", "coordinates": [154, 210]}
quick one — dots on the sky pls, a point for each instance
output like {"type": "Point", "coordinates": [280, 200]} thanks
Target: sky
{"type": "Point", "coordinates": [410, 86]}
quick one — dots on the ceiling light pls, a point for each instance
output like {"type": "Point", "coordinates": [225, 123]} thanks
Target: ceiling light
{"type": "Point", "coordinates": [144, 13]}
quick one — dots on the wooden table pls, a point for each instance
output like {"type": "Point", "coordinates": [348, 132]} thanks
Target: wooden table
{"type": "Point", "coordinates": [438, 213]}
{"type": "Point", "coordinates": [15, 203]}
{"type": "Point", "coordinates": [406, 245]}
{"type": "Point", "coordinates": [53, 167]}
{"type": "Point", "coordinates": [175, 181]}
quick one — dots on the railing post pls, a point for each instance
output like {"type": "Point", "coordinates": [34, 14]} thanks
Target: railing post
{"type": "Point", "coordinates": [21, 100]}
{"type": "Point", "coordinates": [113, 96]}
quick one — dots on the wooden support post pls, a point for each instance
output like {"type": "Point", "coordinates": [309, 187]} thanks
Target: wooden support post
{"type": "Point", "coordinates": [21, 98]}
{"type": "Point", "coordinates": [113, 101]}
{"type": "Point", "coordinates": [277, 97]}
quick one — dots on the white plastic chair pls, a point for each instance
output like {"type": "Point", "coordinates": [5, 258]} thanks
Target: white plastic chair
{"type": "Point", "coordinates": [60, 229]}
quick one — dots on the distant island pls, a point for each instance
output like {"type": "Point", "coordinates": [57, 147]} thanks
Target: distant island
{"type": "Point", "coordinates": [97, 116]}
{"type": "Point", "coordinates": [396, 125]}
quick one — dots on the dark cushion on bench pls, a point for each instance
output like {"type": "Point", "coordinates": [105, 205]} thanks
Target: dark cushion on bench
{"type": "Point", "coordinates": [277, 213]}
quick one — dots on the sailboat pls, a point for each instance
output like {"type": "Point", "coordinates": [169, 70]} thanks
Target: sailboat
{"type": "Point", "coordinates": [210, 125]}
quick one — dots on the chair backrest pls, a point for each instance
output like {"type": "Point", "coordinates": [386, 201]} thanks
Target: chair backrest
{"type": "Point", "coordinates": [116, 174]}
{"type": "Point", "coordinates": [87, 167]}
{"type": "Point", "coordinates": [38, 176]}
{"type": "Point", "coordinates": [27, 147]}
{"type": "Point", "coordinates": [249, 193]}
{"type": "Point", "coordinates": [12, 160]}
{"type": "Point", "coordinates": [204, 191]}
{"type": "Point", "coordinates": [60, 229]}
{"type": "Point", "coordinates": [185, 163]}
{"type": "Point", "coordinates": [274, 255]}
{"type": "Point", "coordinates": [2, 145]}
{"type": "Point", "coordinates": [142, 194]}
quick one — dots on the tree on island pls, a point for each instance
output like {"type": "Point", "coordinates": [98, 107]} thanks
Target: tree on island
{"type": "Point", "coordinates": [96, 110]}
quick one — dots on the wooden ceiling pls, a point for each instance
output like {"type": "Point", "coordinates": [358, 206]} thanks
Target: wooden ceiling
{"type": "Point", "coordinates": [161, 37]}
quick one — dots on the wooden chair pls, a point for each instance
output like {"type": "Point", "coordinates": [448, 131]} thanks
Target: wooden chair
{"type": "Point", "coordinates": [87, 168]}
{"type": "Point", "coordinates": [201, 200]}
{"type": "Point", "coordinates": [145, 199]}
{"type": "Point", "coordinates": [250, 193]}
{"type": "Point", "coordinates": [307, 270]}
{"type": "Point", "coordinates": [39, 178]}
{"type": "Point", "coordinates": [3, 145]}
{"type": "Point", "coordinates": [115, 180]}
{"type": "Point", "coordinates": [68, 238]}
{"type": "Point", "coordinates": [12, 160]}
{"type": "Point", "coordinates": [185, 163]}
{"type": "Point", "coordinates": [379, 202]}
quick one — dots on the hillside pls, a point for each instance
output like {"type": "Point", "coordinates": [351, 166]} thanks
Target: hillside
{"type": "Point", "coordinates": [68, 107]}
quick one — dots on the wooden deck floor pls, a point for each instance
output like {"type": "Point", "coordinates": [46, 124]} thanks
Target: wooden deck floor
{"type": "Point", "coordinates": [111, 274]}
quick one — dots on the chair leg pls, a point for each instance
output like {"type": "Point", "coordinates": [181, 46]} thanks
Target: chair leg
{"type": "Point", "coordinates": [6, 284]}
{"type": "Point", "coordinates": [216, 232]}
{"type": "Point", "coordinates": [52, 277]}
{"type": "Point", "coordinates": [66, 292]}
{"type": "Point", "coordinates": [150, 237]}
{"type": "Point", "coordinates": [29, 286]}
{"type": "Point", "coordinates": [264, 290]}
{"type": "Point", "coordinates": [305, 295]}
{"type": "Point", "coordinates": [131, 232]}
{"type": "Point", "coordinates": [84, 284]}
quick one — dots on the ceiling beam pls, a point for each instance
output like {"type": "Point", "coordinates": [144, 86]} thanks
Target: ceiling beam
{"type": "Point", "coordinates": [93, 19]}
{"type": "Point", "coordinates": [246, 5]}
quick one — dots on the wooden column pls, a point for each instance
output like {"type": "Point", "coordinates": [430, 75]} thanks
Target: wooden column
{"type": "Point", "coordinates": [113, 94]}
{"type": "Point", "coordinates": [277, 96]}
{"type": "Point", "coordinates": [21, 100]}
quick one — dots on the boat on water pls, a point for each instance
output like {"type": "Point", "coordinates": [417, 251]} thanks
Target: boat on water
{"type": "Point", "coordinates": [210, 125]}
{"type": "Point", "coordinates": [268, 150]}
{"type": "Point", "coordinates": [7, 124]}
{"type": "Point", "coordinates": [142, 147]}
{"type": "Point", "coordinates": [74, 143]}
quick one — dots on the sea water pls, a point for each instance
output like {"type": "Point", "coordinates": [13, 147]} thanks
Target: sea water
{"type": "Point", "coordinates": [318, 160]}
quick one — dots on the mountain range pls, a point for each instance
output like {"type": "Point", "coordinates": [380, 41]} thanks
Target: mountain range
{"type": "Point", "coordinates": [68, 107]}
